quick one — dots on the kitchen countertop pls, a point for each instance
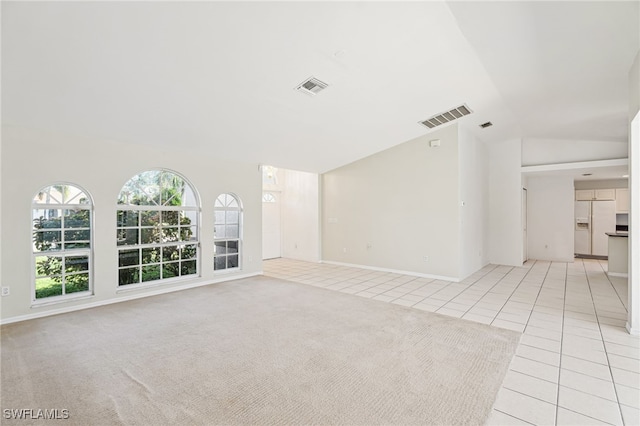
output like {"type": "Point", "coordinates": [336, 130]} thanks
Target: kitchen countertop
{"type": "Point", "coordinates": [617, 234]}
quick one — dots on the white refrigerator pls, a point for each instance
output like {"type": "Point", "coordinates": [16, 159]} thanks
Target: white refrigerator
{"type": "Point", "coordinates": [593, 219]}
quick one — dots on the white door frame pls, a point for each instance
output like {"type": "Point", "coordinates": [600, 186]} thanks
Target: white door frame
{"type": "Point", "coordinates": [525, 241]}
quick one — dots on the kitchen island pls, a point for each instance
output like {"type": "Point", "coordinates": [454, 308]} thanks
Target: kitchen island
{"type": "Point", "coordinates": [618, 254]}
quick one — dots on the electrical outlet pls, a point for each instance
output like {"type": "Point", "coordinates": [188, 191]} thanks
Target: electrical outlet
{"type": "Point", "coordinates": [6, 291]}
{"type": "Point", "coordinates": [425, 258]}
{"type": "Point", "coordinates": [344, 249]}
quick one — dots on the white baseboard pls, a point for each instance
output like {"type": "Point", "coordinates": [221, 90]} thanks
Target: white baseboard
{"type": "Point", "coordinates": [395, 271]}
{"type": "Point", "coordinates": [155, 292]}
{"type": "Point", "coordinates": [618, 274]}
{"type": "Point", "coordinates": [632, 331]}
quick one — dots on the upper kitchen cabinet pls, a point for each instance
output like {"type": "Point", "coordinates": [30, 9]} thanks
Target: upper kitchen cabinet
{"type": "Point", "coordinates": [622, 200]}
{"type": "Point", "coordinates": [595, 195]}
{"type": "Point", "coordinates": [605, 194]}
{"type": "Point", "coordinates": [584, 194]}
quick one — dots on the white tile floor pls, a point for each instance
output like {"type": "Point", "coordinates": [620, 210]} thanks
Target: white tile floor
{"type": "Point", "coordinates": [575, 364]}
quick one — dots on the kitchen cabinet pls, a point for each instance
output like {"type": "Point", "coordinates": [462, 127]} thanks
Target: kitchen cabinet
{"type": "Point", "coordinates": [622, 200]}
{"type": "Point", "coordinates": [595, 195]}
{"type": "Point", "coordinates": [584, 195]}
{"type": "Point", "coordinates": [605, 194]}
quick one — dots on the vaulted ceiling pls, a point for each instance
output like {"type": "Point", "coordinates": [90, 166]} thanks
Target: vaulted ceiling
{"type": "Point", "coordinates": [218, 78]}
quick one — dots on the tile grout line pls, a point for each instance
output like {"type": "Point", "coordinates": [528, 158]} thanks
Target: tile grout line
{"type": "Point", "coordinates": [595, 301]}
{"type": "Point", "coordinates": [564, 303]}
{"type": "Point", "coordinates": [536, 301]}
{"type": "Point", "coordinates": [614, 288]}
{"type": "Point", "coordinates": [485, 293]}
{"type": "Point", "coordinates": [606, 354]}
{"type": "Point", "coordinates": [510, 415]}
{"type": "Point", "coordinates": [450, 283]}
{"type": "Point", "coordinates": [516, 288]}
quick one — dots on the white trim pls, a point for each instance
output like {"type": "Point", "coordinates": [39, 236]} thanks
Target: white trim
{"type": "Point", "coordinates": [56, 300]}
{"type": "Point", "coordinates": [577, 165]}
{"type": "Point", "coordinates": [395, 271]}
{"type": "Point", "coordinates": [632, 331]}
{"type": "Point", "coordinates": [239, 239]}
{"type": "Point", "coordinates": [633, 291]}
{"type": "Point", "coordinates": [125, 288]}
{"type": "Point", "coordinates": [63, 253]}
{"type": "Point", "coordinates": [618, 274]}
{"type": "Point", "coordinates": [154, 207]}
{"type": "Point", "coordinates": [125, 298]}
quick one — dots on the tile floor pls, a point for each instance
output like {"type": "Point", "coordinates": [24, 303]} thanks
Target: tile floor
{"type": "Point", "coordinates": [575, 364]}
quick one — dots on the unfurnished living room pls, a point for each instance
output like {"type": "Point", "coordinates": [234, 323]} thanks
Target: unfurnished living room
{"type": "Point", "coordinates": [333, 213]}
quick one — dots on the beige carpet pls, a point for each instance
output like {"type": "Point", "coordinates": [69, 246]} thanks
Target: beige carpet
{"type": "Point", "coordinates": [254, 351]}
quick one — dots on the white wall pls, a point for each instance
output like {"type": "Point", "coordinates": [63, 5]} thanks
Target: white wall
{"type": "Point", "coordinates": [633, 322]}
{"type": "Point", "coordinates": [557, 151]}
{"type": "Point", "coordinates": [32, 160]}
{"type": "Point", "coordinates": [505, 202]}
{"type": "Point", "coordinates": [1, 224]}
{"type": "Point", "coordinates": [474, 193]}
{"type": "Point", "coordinates": [300, 215]}
{"type": "Point", "coordinates": [392, 209]}
{"type": "Point", "coordinates": [601, 184]}
{"type": "Point", "coordinates": [550, 213]}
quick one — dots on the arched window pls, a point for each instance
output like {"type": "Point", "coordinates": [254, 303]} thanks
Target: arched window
{"type": "Point", "coordinates": [157, 228]}
{"type": "Point", "coordinates": [227, 232]}
{"type": "Point", "coordinates": [268, 197]}
{"type": "Point", "coordinates": [62, 221]}
{"type": "Point", "coordinates": [269, 175]}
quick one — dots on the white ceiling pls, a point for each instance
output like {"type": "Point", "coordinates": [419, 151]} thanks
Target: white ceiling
{"type": "Point", "coordinates": [218, 77]}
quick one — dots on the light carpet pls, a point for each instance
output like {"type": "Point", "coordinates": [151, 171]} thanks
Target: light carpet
{"type": "Point", "coordinates": [255, 351]}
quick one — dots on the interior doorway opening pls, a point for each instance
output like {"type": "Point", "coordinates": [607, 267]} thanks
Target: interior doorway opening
{"type": "Point", "coordinates": [290, 214]}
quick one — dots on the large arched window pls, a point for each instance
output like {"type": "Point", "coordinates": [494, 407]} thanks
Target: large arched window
{"type": "Point", "coordinates": [227, 232]}
{"type": "Point", "coordinates": [61, 234]}
{"type": "Point", "coordinates": [157, 235]}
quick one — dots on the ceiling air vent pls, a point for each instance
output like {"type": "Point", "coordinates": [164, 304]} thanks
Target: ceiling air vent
{"type": "Point", "coordinates": [311, 86]}
{"type": "Point", "coordinates": [445, 117]}
{"type": "Point", "coordinates": [487, 124]}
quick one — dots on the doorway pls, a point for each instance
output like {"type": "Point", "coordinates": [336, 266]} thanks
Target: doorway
{"type": "Point", "coordinates": [271, 225]}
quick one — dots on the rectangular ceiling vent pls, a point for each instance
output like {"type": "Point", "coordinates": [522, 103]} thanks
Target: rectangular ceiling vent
{"type": "Point", "coordinates": [311, 86]}
{"type": "Point", "coordinates": [446, 117]}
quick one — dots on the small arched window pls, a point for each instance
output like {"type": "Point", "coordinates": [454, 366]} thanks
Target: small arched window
{"type": "Point", "coordinates": [157, 228]}
{"type": "Point", "coordinates": [62, 218]}
{"type": "Point", "coordinates": [227, 232]}
{"type": "Point", "coordinates": [268, 197]}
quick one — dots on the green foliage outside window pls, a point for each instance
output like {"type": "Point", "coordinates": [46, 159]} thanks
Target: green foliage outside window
{"type": "Point", "coordinates": [55, 234]}
{"type": "Point", "coordinates": [157, 227]}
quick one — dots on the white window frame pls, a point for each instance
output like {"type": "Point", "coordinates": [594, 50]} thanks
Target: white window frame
{"type": "Point", "coordinates": [268, 197]}
{"type": "Point", "coordinates": [160, 245]}
{"type": "Point", "coordinates": [63, 253]}
{"type": "Point", "coordinates": [225, 239]}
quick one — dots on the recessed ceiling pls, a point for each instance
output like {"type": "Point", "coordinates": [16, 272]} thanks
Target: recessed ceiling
{"type": "Point", "coordinates": [217, 77]}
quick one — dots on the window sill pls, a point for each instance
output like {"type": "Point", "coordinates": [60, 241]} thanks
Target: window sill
{"type": "Point", "coordinates": [56, 300]}
{"type": "Point", "coordinates": [227, 271]}
{"type": "Point", "coordinates": [142, 286]}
